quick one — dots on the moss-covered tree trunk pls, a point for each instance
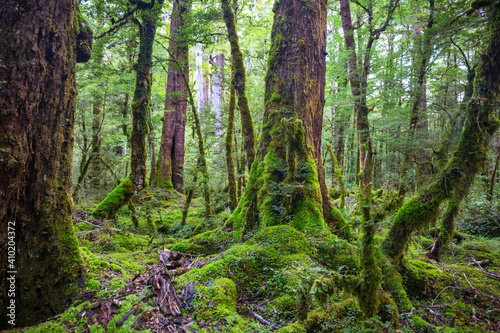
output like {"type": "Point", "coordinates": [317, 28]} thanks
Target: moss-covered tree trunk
{"type": "Point", "coordinates": [41, 43]}
{"type": "Point", "coordinates": [233, 199]}
{"type": "Point", "coordinates": [142, 93]}
{"type": "Point", "coordinates": [358, 77]}
{"type": "Point", "coordinates": [240, 84]}
{"type": "Point", "coordinates": [171, 156]}
{"type": "Point", "coordinates": [472, 152]}
{"type": "Point", "coordinates": [136, 181]}
{"type": "Point", "coordinates": [338, 173]}
{"type": "Point", "coordinates": [283, 186]}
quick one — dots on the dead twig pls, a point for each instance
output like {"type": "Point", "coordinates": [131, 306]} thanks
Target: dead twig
{"type": "Point", "coordinates": [262, 320]}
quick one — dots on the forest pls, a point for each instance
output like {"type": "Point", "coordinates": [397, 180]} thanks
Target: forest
{"type": "Point", "coordinates": [289, 166]}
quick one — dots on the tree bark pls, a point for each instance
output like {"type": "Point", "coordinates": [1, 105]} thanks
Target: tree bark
{"type": "Point", "coordinates": [171, 156]}
{"type": "Point", "coordinates": [142, 95]}
{"type": "Point", "coordinates": [41, 43]}
{"type": "Point", "coordinates": [218, 79]}
{"type": "Point", "coordinates": [240, 84]}
{"type": "Point", "coordinates": [283, 186]}
{"type": "Point", "coordinates": [233, 199]}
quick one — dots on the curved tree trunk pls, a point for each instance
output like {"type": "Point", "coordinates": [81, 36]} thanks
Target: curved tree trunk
{"type": "Point", "coordinates": [40, 47]}
{"type": "Point", "coordinates": [283, 186]}
{"type": "Point", "coordinates": [471, 154]}
{"type": "Point", "coordinates": [240, 84]}
{"type": "Point", "coordinates": [171, 156]}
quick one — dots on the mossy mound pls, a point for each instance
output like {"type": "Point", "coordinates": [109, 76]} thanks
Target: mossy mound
{"type": "Point", "coordinates": [335, 253]}
{"type": "Point", "coordinates": [284, 239]}
{"type": "Point", "coordinates": [209, 242]}
{"type": "Point", "coordinates": [260, 260]}
{"type": "Point", "coordinates": [216, 301]}
{"type": "Point", "coordinates": [424, 281]}
{"type": "Point", "coordinates": [478, 251]}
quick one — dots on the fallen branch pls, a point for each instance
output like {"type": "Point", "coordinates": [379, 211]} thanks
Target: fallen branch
{"type": "Point", "coordinates": [114, 229]}
{"type": "Point", "coordinates": [124, 317]}
{"type": "Point", "coordinates": [262, 320]}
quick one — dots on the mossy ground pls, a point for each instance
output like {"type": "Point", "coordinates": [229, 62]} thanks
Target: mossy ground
{"type": "Point", "coordinates": [279, 273]}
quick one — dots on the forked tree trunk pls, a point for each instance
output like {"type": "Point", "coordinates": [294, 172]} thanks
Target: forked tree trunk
{"type": "Point", "coordinates": [41, 43]}
{"type": "Point", "coordinates": [171, 156]}
{"type": "Point", "coordinates": [283, 185]}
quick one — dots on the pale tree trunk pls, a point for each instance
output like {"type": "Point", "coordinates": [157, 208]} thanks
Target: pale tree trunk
{"type": "Point", "coordinates": [218, 79]}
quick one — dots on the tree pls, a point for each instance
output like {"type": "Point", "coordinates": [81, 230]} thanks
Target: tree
{"type": "Point", "coordinates": [41, 44]}
{"type": "Point", "coordinates": [284, 186]}
{"type": "Point", "coordinates": [452, 183]}
{"type": "Point", "coordinates": [171, 156]}
{"type": "Point", "coordinates": [240, 84]}
{"type": "Point", "coordinates": [148, 15]}
{"type": "Point", "coordinates": [140, 105]}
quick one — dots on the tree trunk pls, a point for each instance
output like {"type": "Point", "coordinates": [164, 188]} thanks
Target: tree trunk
{"type": "Point", "coordinates": [358, 78]}
{"type": "Point", "coordinates": [240, 84]}
{"type": "Point", "coordinates": [419, 95]}
{"type": "Point", "coordinates": [41, 43]}
{"type": "Point", "coordinates": [471, 154]}
{"type": "Point", "coordinates": [142, 95]}
{"type": "Point", "coordinates": [171, 156]}
{"type": "Point", "coordinates": [218, 79]}
{"type": "Point", "coordinates": [283, 186]}
{"type": "Point", "coordinates": [229, 150]}
{"type": "Point", "coordinates": [96, 142]}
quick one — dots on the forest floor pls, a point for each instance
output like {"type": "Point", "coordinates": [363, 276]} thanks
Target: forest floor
{"type": "Point", "coordinates": [165, 277]}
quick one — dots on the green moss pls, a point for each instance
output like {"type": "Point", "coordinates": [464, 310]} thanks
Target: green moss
{"type": "Point", "coordinates": [424, 281]}
{"type": "Point", "coordinates": [209, 242]}
{"type": "Point", "coordinates": [393, 284]}
{"type": "Point", "coordinates": [117, 198]}
{"type": "Point", "coordinates": [284, 239]}
{"type": "Point", "coordinates": [336, 254]}
{"type": "Point", "coordinates": [419, 324]}
{"type": "Point", "coordinates": [217, 301]}
{"type": "Point", "coordinates": [292, 328]}
{"type": "Point", "coordinates": [335, 317]}
{"type": "Point", "coordinates": [93, 284]}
